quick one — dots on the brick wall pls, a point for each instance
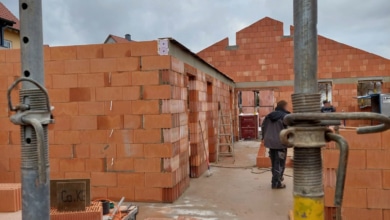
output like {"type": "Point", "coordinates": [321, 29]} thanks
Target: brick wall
{"type": "Point", "coordinates": [367, 187]}
{"type": "Point", "coordinates": [121, 119]}
{"type": "Point", "coordinates": [264, 54]}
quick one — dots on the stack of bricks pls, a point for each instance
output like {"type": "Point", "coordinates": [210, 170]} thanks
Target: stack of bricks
{"type": "Point", "coordinates": [92, 212]}
{"type": "Point", "coordinates": [121, 119]}
{"type": "Point", "coordinates": [12, 192]}
{"type": "Point", "coordinates": [367, 186]}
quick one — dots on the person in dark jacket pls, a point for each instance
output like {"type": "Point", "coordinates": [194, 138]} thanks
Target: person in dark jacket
{"type": "Point", "coordinates": [327, 107]}
{"type": "Point", "coordinates": [271, 128]}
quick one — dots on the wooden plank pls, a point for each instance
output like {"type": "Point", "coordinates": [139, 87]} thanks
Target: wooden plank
{"type": "Point", "coordinates": [71, 196]}
{"type": "Point", "coordinates": [53, 191]}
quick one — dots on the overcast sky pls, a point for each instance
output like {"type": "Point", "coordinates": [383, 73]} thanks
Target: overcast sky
{"type": "Point", "coordinates": [200, 23]}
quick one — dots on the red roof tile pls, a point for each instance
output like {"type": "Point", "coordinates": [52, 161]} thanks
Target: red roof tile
{"type": "Point", "coordinates": [119, 39]}
{"type": "Point", "coordinates": [7, 14]}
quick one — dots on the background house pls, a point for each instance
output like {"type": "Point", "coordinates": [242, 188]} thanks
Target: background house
{"type": "Point", "coordinates": [9, 28]}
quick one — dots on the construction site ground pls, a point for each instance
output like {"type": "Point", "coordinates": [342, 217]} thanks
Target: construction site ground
{"type": "Point", "coordinates": [234, 191]}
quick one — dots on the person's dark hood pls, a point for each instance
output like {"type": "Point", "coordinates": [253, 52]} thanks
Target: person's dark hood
{"type": "Point", "coordinates": [278, 114]}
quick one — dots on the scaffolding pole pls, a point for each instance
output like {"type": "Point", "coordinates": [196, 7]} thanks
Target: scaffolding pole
{"type": "Point", "coordinates": [33, 114]}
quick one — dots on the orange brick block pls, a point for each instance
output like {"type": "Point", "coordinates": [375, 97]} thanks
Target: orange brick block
{"type": "Point", "coordinates": [132, 121]}
{"type": "Point", "coordinates": [156, 62]}
{"type": "Point", "coordinates": [118, 192]}
{"type": "Point", "coordinates": [162, 180]}
{"type": "Point", "coordinates": [110, 122]}
{"type": "Point", "coordinates": [72, 165]}
{"type": "Point", "coordinates": [143, 107]}
{"type": "Point", "coordinates": [147, 165]}
{"type": "Point", "coordinates": [91, 80]}
{"type": "Point", "coordinates": [378, 198]}
{"type": "Point", "coordinates": [148, 136]}
{"type": "Point", "coordinates": [158, 150]}
{"type": "Point", "coordinates": [89, 51]}
{"type": "Point", "coordinates": [145, 78]}
{"type": "Point", "coordinates": [148, 194]}
{"type": "Point", "coordinates": [92, 212]}
{"type": "Point", "coordinates": [130, 150]}
{"type": "Point", "coordinates": [157, 92]}
{"type": "Point", "coordinates": [91, 108]}
{"type": "Point", "coordinates": [109, 93]}
{"type": "Point", "coordinates": [103, 179]}
{"type": "Point", "coordinates": [103, 65]}
{"type": "Point", "coordinates": [356, 213]}
{"type": "Point", "coordinates": [63, 53]}
{"type": "Point", "coordinates": [158, 121]}
{"type": "Point", "coordinates": [131, 179]}
{"type": "Point", "coordinates": [131, 93]}
{"type": "Point", "coordinates": [12, 193]}
{"type": "Point", "coordinates": [64, 81]}
{"type": "Point", "coordinates": [85, 122]}
{"type": "Point", "coordinates": [95, 165]}
{"type": "Point", "coordinates": [77, 66]}
{"type": "Point", "coordinates": [145, 48]}
{"type": "Point", "coordinates": [121, 165]}
{"type": "Point", "coordinates": [127, 64]}
{"type": "Point", "coordinates": [364, 179]}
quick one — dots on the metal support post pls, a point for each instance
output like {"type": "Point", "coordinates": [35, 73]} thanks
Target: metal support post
{"type": "Point", "coordinates": [33, 114]}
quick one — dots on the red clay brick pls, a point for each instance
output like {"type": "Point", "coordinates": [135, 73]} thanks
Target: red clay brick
{"type": "Point", "coordinates": [355, 198]}
{"type": "Point", "coordinates": [64, 81]}
{"type": "Point", "coordinates": [366, 141]}
{"type": "Point", "coordinates": [131, 93]}
{"type": "Point", "coordinates": [142, 107]}
{"type": "Point", "coordinates": [117, 108]}
{"type": "Point", "coordinates": [5, 165]}
{"type": "Point", "coordinates": [14, 137]}
{"type": "Point", "coordinates": [93, 137]}
{"type": "Point", "coordinates": [90, 51]}
{"type": "Point", "coordinates": [10, 194]}
{"type": "Point", "coordinates": [81, 151]}
{"type": "Point", "coordinates": [120, 79]}
{"type": "Point", "coordinates": [386, 179]}
{"type": "Point", "coordinates": [54, 165]}
{"type": "Point", "coordinates": [131, 179]}
{"type": "Point", "coordinates": [61, 151]}
{"type": "Point", "coordinates": [14, 164]}
{"type": "Point", "coordinates": [7, 177]}
{"type": "Point", "coordinates": [4, 137]}
{"type": "Point", "coordinates": [132, 121]}
{"type": "Point", "coordinates": [121, 165]}
{"type": "Point", "coordinates": [91, 80]}
{"type": "Point", "coordinates": [77, 175]}
{"type": "Point", "coordinates": [117, 193]}
{"type": "Point", "coordinates": [109, 93]}
{"type": "Point", "coordinates": [130, 150]}
{"type": "Point", "coordinates": [356, 213]}
{"type": "Point", "coordinates": [102, 150]}
{"type": "Point", "coordinates": [63, 53]}
{"type": "Point", "coordinates": [77, 66]}
{"type": "Point", "coordinates": [386, 140]}
{"type": "Point", "coordinates": [157, 92]}
{"type": "Point", "coordinates": [110, 122]}
{"type": "Point", "coordinates": [156, 62]}
{"type": "Point", "coordinates": [95, 165]}
{"type": "Point", "coordinates": [158, 121]}
{"type": "Point", "coordinates": [65, 109]}
{"type": "Point", "coordinates": [158, 150]}
{"type": "Point", "coordinates": [117, 50]}
{"type": "Point", "coordinates": [59, 95]}
{"type": "Point", "coordinates": [378, 159]}
{"type": "Point", "coordinates": [85, 122]}
{"type": "Point", "coordinates": [148, 194]}
{"type": "Point", "coordinates": [145, 78]}
{"type": "Point", "coordinates": [163, 180]}
{"type": "Point", "coordinates": [99, 192]}
{"type": "Point", "coordinates": [53, 67]}
{"type": "Point", "coordinates": [72, 165]}
{"type": "Point", "coordinates": [147, 165]}
{"type": "Point", "coordinates": [122, 137]}
{"type": "Point", "coordinates": [62, 123]}
{"type": "Point", "coordinates": [67, 137]}
{"type": "Point", "coordinates": [148, 136]}
{"type": "Point", "coordinates": [103, 65]}
{"type": "Point", "coordinates": [127, 64]}
{"type": "Point", "coordinates": [103, 179]}
{"type": "Point", "coordinates": [364, 179]}
{"type": "Point", "coordinates": [378, 198]}
{"type": "Point", "coordinates": [145, 48]}
{"type": "Point", "coordinates": [91, 108]}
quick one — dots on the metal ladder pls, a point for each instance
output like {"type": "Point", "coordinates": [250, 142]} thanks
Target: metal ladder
{"type": "Point", "coordinates": [225, 135]}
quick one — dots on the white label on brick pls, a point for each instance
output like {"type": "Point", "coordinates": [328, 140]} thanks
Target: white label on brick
{"type": "Point", "coordinates": [163, 47]}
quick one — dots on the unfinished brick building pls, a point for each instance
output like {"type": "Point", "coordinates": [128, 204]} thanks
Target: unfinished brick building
{"type": "Point", "coordinates": [123, 117]}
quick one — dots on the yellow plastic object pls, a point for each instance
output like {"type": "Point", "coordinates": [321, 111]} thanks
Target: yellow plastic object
{"type": "Point", "coordinates": [306, 208]}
